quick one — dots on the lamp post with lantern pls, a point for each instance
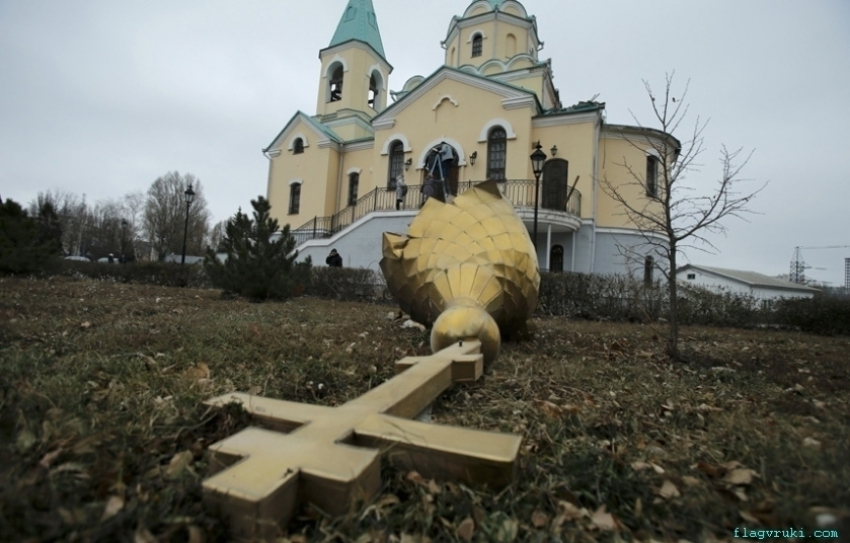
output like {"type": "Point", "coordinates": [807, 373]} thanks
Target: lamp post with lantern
{"type": "Point", "coordinates": [538, 157]}
{"type": "Point", "coordinates": [190, 196]}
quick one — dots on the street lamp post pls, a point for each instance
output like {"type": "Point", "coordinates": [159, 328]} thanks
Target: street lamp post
{"type": "Point", "coordinates": [538, 157]}
{"type": "Point", "coordinates": [190, 196]}
{"type": "Point", "coordinates": [123, 240]}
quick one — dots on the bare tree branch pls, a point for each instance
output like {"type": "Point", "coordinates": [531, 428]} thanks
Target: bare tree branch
{"type": "Point", "coordinates": [669, 214]}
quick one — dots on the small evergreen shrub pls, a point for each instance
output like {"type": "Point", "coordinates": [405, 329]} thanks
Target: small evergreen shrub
{"type": "Point", "coordinates": [28, 245]}
{"type": "Point", "coordinates": [258, 267]}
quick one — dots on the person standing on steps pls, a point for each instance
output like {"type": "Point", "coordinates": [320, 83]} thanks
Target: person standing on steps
{"type": "Point", "coordinates": [334, 260]}
{"type": "Point", "coordinates": [400, 191]}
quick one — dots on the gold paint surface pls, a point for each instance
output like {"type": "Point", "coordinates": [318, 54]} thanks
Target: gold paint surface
{"type": "Point", "coordinates": [330, 456]}
{"type": "Point", "coordinates": [467, 268]}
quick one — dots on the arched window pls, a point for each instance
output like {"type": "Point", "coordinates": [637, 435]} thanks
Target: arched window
{"type": "Point", "coordinates": [477, 45]}
{"type": "Point", "coordinates": [294, 198]}
{"type": "Point", "coordinates": [336, 84]}
{"type": "Point", "coordinates": [396, 163]}
{"type": "Point", "coordinates": [297, 146]}
{"type": "Point", "coordinates": [497, 153]}
{"type": "Point", "coordinates": [510, 46]}
{"type": "Point", "coordinates": [651, 176]}
{"type": "Point", "coordinates": [556, 259]}
{"type": "Point", "coordinates": [373, 92]}
{"type": "Point", "coordinates": [648, 268]}
{"type": "Point", "coordinates": [353, 186]}
{"type": "Point", "coordinates": [555, 184]}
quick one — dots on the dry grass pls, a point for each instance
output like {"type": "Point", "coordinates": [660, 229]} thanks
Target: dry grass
{"type": "Point", "coordinates": [102, 431]}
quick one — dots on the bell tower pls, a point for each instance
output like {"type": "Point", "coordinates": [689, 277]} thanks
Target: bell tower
{"type": "Point", "coordinates": [354, 76]}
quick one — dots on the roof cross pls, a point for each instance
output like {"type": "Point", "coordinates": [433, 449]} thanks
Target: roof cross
{"type": "Point", "coordinates": [330, 456]}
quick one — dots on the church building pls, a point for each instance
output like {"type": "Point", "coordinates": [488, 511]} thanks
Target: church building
{"type": "Point", "coordinates": [332, 175]}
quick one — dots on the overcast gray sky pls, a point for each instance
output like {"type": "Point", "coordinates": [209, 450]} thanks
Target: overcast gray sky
{"type": "Point", "coordinates": [100, 97]}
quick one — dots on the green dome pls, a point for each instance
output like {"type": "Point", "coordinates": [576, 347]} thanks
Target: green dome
{"type": "Point", "coordinates": [360, 23]}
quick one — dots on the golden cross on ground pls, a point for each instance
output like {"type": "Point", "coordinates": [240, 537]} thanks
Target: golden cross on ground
{"type": "Point", "coordinates": [330, 456]}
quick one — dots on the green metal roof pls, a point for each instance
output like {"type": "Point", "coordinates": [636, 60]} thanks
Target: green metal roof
{"type": "Point", "coordinates": [360, 23]}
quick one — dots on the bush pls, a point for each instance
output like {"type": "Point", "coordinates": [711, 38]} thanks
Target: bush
{"type": "Point", "coordinates": [349, 284]}
{"type": "Point", "coordinates": [701, 306]}
{"type": "Point", "coordinates": [599, 297]}
{"type": "Point", "coordinates": [818, 315]}
{"type": "Point", "coordinates": [164, 274]}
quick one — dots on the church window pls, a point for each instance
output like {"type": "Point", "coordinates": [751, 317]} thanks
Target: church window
{"type": "Point", "coordinates": [477, 45]}
{"type": "Point", "coordinates": [353, 186]}
{"type": "Point", "coordinates": [648, 268]}
{"type": "Point", "coordinates": [396, 163]}
{"type": "Point", "coordinates": [373, 92]}
{"type": "Point", "coordinates": [555, 184]}
{"type": "Point", "coordinates": [556, 259]}
{"type": "Point", "coordinates": [294, 198]}
{"type": "Point", "coordinates": [497, 151]}
{"type": "Point", "coordinates": [510, 46]}
{"type": "Point", "coordinates": [651, 176]}
{"type": "Point", "coordinates": [336, 84]}
{"type": "Point", "coordinates": [298, 146]}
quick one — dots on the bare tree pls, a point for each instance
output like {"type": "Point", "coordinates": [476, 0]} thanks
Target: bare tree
{"type": "Point", "coordinates": [165, 215]}
{"type": "Point", "coordinates": [217, 236]}
{"type": "Point", "coordinates": [673, 215]}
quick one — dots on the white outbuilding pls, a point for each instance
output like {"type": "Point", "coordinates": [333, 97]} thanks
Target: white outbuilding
{"type": "Point", "coordinates": [757, 285]}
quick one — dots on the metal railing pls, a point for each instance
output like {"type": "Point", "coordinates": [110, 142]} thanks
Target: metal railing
{"type": "Point", "coordinates": [518, 191]}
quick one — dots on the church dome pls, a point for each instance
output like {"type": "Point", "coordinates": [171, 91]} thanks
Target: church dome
{"type": "Point", "coordinates": [511, 7]}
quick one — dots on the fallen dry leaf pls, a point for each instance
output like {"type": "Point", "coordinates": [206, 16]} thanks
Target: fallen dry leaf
{"type": "Point", "coordinates": [466, 529]}
{"type": "Point", "coordinates": [740, 476]}
{"type": "Point", "coordinates": [571, 512]}
{"type": "Point", "coordinates": [668, 490]}
{"type": "Point", "coordinates": [143, 535]}
{"type": "Point", "coordinates": [539, 519]}
{"type": "Point", "coordinates": [603, 520]}
{"type": "Point", "coordinates": [196, 535]}
{"type": "Point", "coordinates": [416, 478]}
{"type": "Point", "coordinates": [49, 458]}
{"type": "Point", "coordinates": [712, 470]}
{"type": "Point", "coordinates": [554, 410]}
{"type": "Point", "coordinates": [690, 481]}
{"type": "Point", "coordinates": [113, 505]}
{"type": "Point", "coordinates": [179, 463]}
{"type": "Point", "coordinates": [811, 442]}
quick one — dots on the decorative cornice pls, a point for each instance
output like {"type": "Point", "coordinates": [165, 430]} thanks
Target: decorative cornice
{"type": "Point", "coordinates": [440, 101]}
{"type": "Point", "coordinates": [358, 45]}
{"type": "Point", "coordinates": [359, 145]}
{"type": "Point", "coordinates": [383, 124]}
{"type": "Point", "coordinates": [514, 97]}
{"type": "Point", "coordinates": [561, 120]}
{"type": "Point", "coordinates": [520, 102]}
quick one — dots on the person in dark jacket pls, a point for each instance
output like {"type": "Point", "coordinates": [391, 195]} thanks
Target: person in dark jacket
{"type": "Point", "coordinates": [334, 260]}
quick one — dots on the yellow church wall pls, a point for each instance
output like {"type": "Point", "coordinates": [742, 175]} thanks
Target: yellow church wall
{"type": "Point", "coordinates": [360, 161]}
{"type": "Point", "coordinates": [533, 83]}
{"type": "Point", "coordinates": [423, 124]}
{"type": "Point", "coordinates": [613, 153]}
{"type": "Point", "coordinates": [505, 47]}
{"type": "Point", "coordinates": [316, 169]}
{"type": "Point", "coordinates": [575, 144]}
